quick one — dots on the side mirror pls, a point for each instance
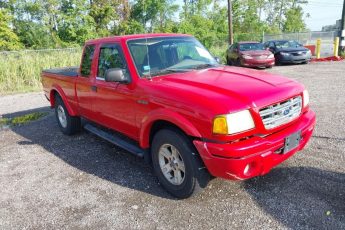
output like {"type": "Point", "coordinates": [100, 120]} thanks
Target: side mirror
{"type": "Point", "coordinates": [217, 59]}
{"type": "Point", "coordinates": [115, 75]}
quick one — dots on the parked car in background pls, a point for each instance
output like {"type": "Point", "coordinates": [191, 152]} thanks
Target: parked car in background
{"type": "Point", "coordinates": [249, 54]}
{"type": "Point", "coordinates": [286, 51]}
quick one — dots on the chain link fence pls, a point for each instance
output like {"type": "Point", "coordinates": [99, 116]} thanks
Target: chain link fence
{"type": "Point", "coordinates": [308, 38]}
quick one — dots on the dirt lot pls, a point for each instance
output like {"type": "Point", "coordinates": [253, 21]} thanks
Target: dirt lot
{"type": "Point", "coordinates": [49, 180]}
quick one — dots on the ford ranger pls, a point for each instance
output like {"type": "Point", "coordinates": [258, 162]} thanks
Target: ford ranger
{"type": "Point", "coordinates": [165, 98]}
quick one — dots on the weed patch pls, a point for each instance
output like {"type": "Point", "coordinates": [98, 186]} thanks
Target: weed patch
{"type": "Point", "coordinates": [20, 120]}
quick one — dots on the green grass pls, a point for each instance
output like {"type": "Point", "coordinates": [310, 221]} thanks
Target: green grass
{"type": "Point", "coordinates": [20, 71]}
{"type": "Point", "coordinates": [20, 120]}
{"type": "Point", "coordinates": [4, 121]}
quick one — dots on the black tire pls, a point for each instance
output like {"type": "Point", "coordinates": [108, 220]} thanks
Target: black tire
{"type": "Point", "coordinates": [277, 61]}
{"type": "Point", "coordinates": [196, 175]}
{"type": "Point", "coordinates": [72, 124]}
{"type": "Point", "coordinates": [238, 62]}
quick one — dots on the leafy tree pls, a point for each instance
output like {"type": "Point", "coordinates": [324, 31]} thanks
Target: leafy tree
{"type": "Point", "coordinates": [129, 27]}
{"type": "Point", "coordinates": [62, 23]}
{"type": "Point", "coordinates": [103, 12]}
{"type": "Point", "coordinates": [153, 13]}
{"type": "Point", "coordinates": [74, 25]}
{"type": "Point", "coordinates": [8, 39]}
{"type": "Point", "coordinates": [294, 20]}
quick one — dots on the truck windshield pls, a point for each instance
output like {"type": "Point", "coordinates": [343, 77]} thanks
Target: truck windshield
{"type": "Point", "coordinates": [160, 55]}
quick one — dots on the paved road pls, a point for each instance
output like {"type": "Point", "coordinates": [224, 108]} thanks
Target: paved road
{"type": "Point", "coordinates": [51, 181]}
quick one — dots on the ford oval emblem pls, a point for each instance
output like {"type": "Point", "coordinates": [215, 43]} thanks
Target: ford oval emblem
{"type": "Point", "coordinates": [286, 111]}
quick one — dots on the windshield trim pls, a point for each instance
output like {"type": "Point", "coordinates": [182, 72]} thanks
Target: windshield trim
{"type": "Point", "coordinates": [150, 37]}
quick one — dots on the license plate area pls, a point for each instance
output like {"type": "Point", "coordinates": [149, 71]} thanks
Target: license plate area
{"type": "Point", "coordinates": [292, 142]}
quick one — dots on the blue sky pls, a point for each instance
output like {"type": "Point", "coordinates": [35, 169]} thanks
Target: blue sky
{"type": "Point", "coordinates": [322, 12]}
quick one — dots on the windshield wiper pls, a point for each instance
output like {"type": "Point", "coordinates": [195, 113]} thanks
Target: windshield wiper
{"type": "Point", "coordinates": [204, 66]}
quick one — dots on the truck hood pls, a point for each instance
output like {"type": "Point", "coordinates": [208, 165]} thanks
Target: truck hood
{"type": "Point", "coordinates": [224, 84]}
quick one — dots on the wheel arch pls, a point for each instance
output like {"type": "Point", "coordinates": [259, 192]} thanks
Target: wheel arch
{"type": "Point", "coordinates": [57, 91]}
{"type": "Point", "coordinates": [161, 119]}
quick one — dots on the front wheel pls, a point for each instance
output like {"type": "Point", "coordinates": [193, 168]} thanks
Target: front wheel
{"type": "Point", "coordinates": [177, 165]}
{"type": "Point", "coordinates": [68, 124]}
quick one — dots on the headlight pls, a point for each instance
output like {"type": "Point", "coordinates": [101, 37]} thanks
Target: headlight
{"type": "Point", "coordinates": [233, 123]}
{"type": "Point", "coordinates": [247, 57]}
{"type": "Point", "coordinates": [271, 56]}
{"type": "Point", "coordinates": [305, 98]}
{"type": "Point", "coordinates": [284, 54]}
{"type": "Point", "coordinates": [308, 52]}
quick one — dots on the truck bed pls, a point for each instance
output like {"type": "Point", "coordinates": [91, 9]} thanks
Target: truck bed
{"type": "Point", "coordinates": [64, 71]}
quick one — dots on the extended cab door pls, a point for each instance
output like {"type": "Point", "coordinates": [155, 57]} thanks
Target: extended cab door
{"type": "Point", "coordinates": [84, 86]}
{"type": "Point", "coordinates": [114, 103]}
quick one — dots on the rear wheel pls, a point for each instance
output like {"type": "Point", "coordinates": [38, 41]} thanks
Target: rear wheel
{"type": "Point", "coordinates": [68, 124]}
{"type": "Point", "coordinates": [177, 165]}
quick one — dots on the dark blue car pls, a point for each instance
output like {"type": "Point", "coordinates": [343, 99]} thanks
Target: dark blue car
{"type": "Point", "coordinates": [286, 51]}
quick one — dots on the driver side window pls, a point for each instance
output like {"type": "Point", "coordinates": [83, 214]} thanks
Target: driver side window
{"type": "Point", "coordinates": [109, 58]}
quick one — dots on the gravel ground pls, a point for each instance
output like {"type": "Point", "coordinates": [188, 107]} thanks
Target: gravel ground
{"type": "Point", "coordinates": [52, 181]}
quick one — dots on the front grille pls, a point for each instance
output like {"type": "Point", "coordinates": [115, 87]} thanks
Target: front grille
{"type": "Point", "coordinates": [299, 53]}
{"type": "Point", "coordinates": [281, 113]}
{"type": "Point", "coordinates": [259, 57]}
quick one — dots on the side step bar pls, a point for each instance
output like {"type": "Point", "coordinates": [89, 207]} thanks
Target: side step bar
{"type": "Point", "coordinates": [116, 140]}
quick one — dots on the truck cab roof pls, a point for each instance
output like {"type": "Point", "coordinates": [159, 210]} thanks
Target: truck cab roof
{"type": "Point", "coordinates": [133, 36]}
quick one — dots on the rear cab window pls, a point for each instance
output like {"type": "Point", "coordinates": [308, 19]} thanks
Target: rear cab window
{"type": "Point", "coordinates": [86, 62]}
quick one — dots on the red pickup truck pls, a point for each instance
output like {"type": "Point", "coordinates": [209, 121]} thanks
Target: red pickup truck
{"type": "Point", "coordinates": [165, 98]}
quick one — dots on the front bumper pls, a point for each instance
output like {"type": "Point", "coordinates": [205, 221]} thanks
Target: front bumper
{"type": "Point", "coordinates": [294, 59]}
{"type": "Point", "coordinates": [258, 62]}
{"type": "Point", "coordinates": [255, 156]}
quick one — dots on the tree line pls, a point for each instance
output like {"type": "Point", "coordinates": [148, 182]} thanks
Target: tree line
{"type": "Point", "coordinates": [36, 24]}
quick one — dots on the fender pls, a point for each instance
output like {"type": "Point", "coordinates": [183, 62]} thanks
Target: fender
{"type": "Point", "coordinates": [164, 115]}
{"type": "Point", "coordinates": [59, 90]}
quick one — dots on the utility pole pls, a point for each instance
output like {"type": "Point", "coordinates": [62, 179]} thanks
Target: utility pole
{"type": "Point", "coordinates": [231, 32]}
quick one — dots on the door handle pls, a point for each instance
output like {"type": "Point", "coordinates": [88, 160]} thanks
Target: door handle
{"type": "Point", "coordinates": [94, 88]}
